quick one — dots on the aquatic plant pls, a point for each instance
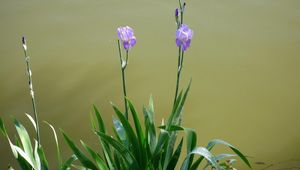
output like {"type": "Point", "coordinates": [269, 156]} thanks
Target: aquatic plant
{"type": "Point", "coordinates": [137, 145]}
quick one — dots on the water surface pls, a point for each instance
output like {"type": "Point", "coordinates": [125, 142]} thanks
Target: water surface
{"type": "Point", "coordinates": [244, 61]}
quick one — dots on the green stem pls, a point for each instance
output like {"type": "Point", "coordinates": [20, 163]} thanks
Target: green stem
{"type": "Point", "coordinates": [123, 67]}
{"type": "Point", "coordinates": [178, 75]}
{"type": "Point", "coordinates": [32, 97]}
{"type": "Point", "coordinates": [180, 56]}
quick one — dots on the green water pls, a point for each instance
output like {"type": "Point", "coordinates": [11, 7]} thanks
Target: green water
{"type": "Point", "coordinates": [244, 61]}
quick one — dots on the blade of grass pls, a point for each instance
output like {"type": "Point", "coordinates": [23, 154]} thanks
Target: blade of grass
{"type": "Point", "coordinates": [25, 140]}
{"type": "Point", "coordinates": [129, 133]}
{"type": "Point", "coordinates": [105, 146]}
{"type": "Point", "coordinates": [59, 160]}
{"type": "Point", "coordinates": [100, 163]}
{"type": "Point", "coordinates": [124, 152]}
{"type": "Point", "coordinates": [214, 142]}
{"type": "Point", "coordinates": [175, 157]}
{"type": "Point", "coordinates": [79, 154]}
{"type": "Point", "coordinates": [202, 152]}
{"type": "Point", "coordinates": [66, 165]}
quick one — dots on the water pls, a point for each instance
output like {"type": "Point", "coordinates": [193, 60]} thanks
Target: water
{"type": "Point", "coordinates": [244, 61]}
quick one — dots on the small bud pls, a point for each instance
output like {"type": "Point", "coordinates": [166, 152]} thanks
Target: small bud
{"type": "Point", "coordinates": [23, 40]}
{"type": "Point", "coordinates": [24, 43]}
{"type": "Point", "coordinates": [176, 13]}
{"type": "Point", "coordinates": [184, 4]}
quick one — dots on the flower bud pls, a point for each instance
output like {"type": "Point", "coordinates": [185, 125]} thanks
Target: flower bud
{"type": "Point", "coordinates": [24, 43]}
{"type": "Point", "coordinates": [176, 13]}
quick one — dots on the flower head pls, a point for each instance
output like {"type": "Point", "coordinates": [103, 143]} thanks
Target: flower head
{"type": "Point", "coordinates": [126, 35]}
{"type": "Point", "coordinates": [183, 37]}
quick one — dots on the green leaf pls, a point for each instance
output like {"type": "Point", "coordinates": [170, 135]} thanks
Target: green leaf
{"type": "Point", "coordinates": [43, 159]}
{"type": "Point", "coordinates": [78, 167]}
{"type": "Point", "coordinates": [37, 157]}
{"type": "Point", "coordinates": [105, 146]}
{"type": "Point", "coordinates": [101, 125]}
{"type": "Point", "coordinates": [150, 130]}
{"type": "Point", "coordinates": [22, 162]}
{"type": "Point", "coordinates": [175, 115]}
{"type": "Point", "coordinates": [140, 134]}
{"type": "Point", "coordinates": [79, 154]}
{"type": "Point", "coordinates": [169, 149]}
{"type": "Point", "coordinates": [32, 121]}
{"type": "Point", "coordinates": [2, 127]}
{"type": "Point", "coordinates": [117, 160]}
{"type": "Point", "coordinates": [214, 142]}
{"type": "Point", "coordinates": [25, 140]}
{"type": "Point", "coordinates": [137, 123]}
{"type": "Point", "coordinates": [178, 99]}
{"type": "Point", "coordinates": [191, 142]}
{"type": "Point", "coordinates": [100, 163]}
{"type": "Point", "coordinates": [129, 133]}
{"type": "Point", "coordinates": [162, 140]}
{"type": "Point", "coordinates": [120, 131]}
{"type": "Point", "coordinates": [59, 160]}
{"type": "Point", "coordinates": [223, 156]}
{"type": "Point", "coordinates": [202, 152]}
{"type": "Point", "coordinates": [68, 163]}
{"type": "Point", "coordinates": [172, 128]}
{"type": "Point", "coordinates": [175, 157]}
{"type": "Point", "coordinates": [124, 152]}
{"type": "Point", "coordinates": [24, 155]}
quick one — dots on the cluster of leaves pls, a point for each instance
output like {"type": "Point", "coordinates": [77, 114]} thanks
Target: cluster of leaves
{"type": "Point", "coordinates": [135, 147]}
{"type": "Point", "coordinates": [29, 157]}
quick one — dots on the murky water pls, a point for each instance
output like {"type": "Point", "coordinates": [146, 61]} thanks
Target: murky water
{"type": "Point", "coordinates": [244, 62]}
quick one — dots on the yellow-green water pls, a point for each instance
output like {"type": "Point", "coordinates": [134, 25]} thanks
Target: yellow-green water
{"type": "Point", "coordinates": [244, 61]}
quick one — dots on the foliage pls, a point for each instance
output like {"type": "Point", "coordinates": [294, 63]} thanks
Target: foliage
{"type": "Point", "coordinates": [135, 147]}
{"type": "Point", "coordinates": [29, 157]}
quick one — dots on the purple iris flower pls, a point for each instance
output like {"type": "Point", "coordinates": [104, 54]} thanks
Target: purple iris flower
{"type": "Point", "coordinates": [126, 35]}
{"type": "Point", "coordinates": [183, 37]}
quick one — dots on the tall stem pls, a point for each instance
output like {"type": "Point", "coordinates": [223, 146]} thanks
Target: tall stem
{"type": "Point", "coordinates": [32, 96]}
{"type": "Point", "coordinates": [123, 67]}
{"type": "Point", "coordinates": [180, 55]}
{"type": "Point", "coordinates": [178, 75]}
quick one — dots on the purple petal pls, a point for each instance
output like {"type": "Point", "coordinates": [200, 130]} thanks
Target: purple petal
{"type": "Point", "coordinates": [126, 45]}
{"type": "Point", "coordinates": [186, 45]}
{"type": "Point", "coordinates": [133, 41]}
{"type": "Point", "coordinates": [178, 42]}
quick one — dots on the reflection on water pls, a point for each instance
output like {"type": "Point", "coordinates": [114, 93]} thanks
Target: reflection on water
{"type": "Point", "coordinates": [244, 61]}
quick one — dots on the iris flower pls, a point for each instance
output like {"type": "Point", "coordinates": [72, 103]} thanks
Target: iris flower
{"type": "Point", "coordinates": [183, 37]}
{"type": "Point", "coordinates": [126, 35]}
